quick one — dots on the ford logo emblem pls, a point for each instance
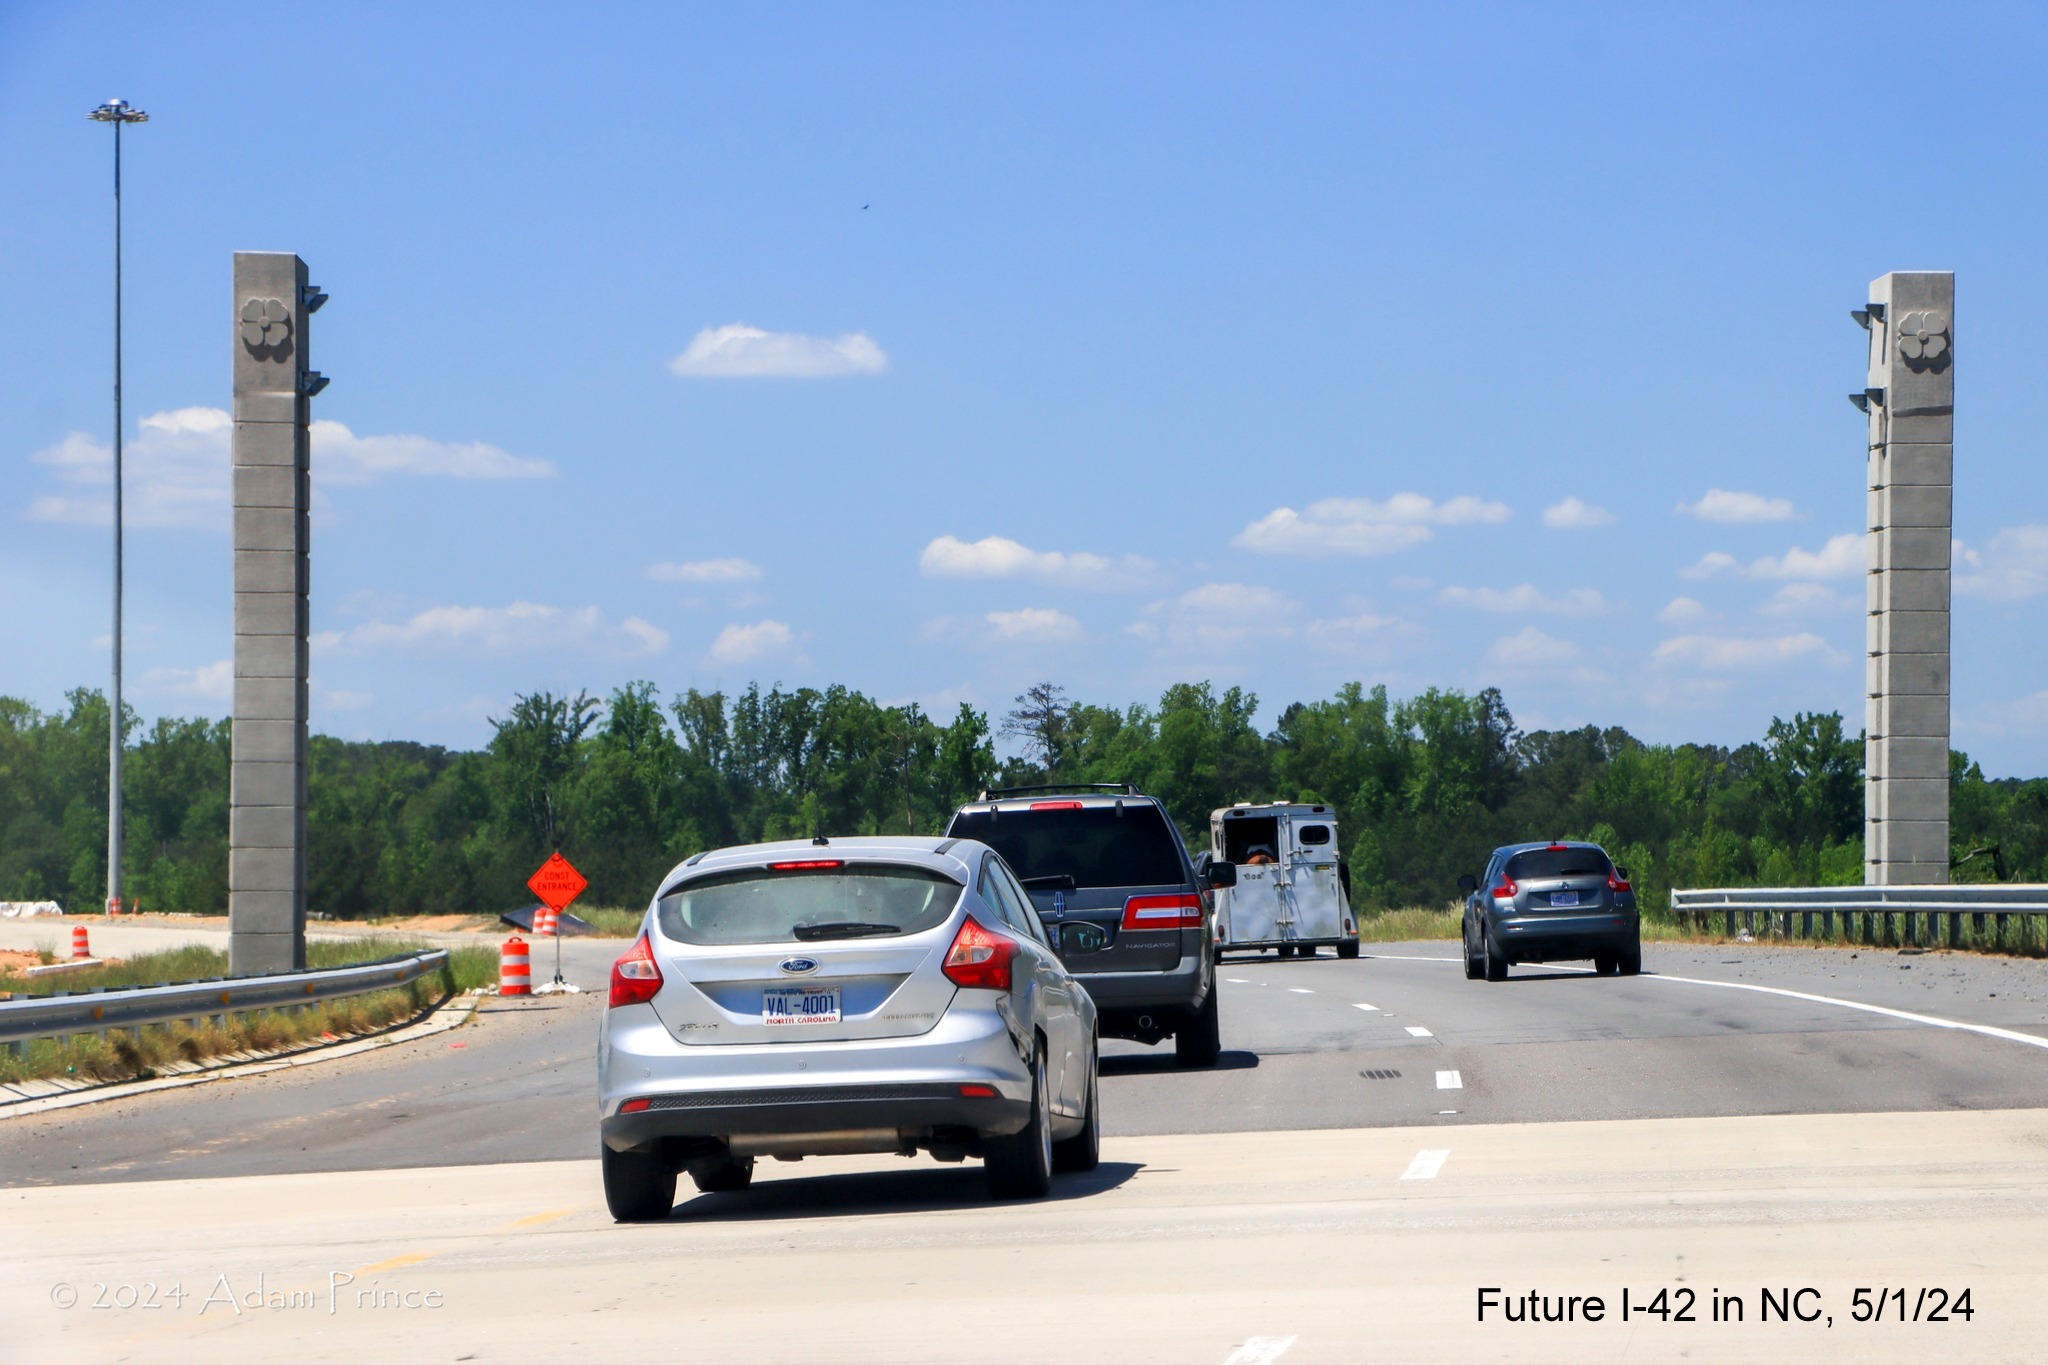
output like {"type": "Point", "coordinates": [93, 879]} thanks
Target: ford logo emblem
{"type": "Point", "coordinates": [799, 966]}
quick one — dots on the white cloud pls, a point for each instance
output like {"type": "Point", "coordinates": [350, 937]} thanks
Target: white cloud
{"type": "Point", "coordinates": [176, 472]}
{"type": "Point", "coordinates": [1364, 633]}
{"type": "Point", "coordinates": [1807, 599]}
{"type": "Point", "coordinates": [1841, 557]}
{"type": "Point", "coordinates": [751, 644]}
{"type": "Point", "coordinates": [1574, 515]}
{"type": "Point", "coordinates": [737, 351]}
{"type": "Point", "coordinates": [1001, 557]}
{"type": "Point", "coordinates": [1526, 597]}
{"type": "Point", "coordinates": [1218, 616]}
{"type": "Point", "coordinates": [214, 681]}
{"type": "Point", "coordinates": [2011, 568]}
{"type": "Point", "coordinates": [522, 627]}
{"type": "Point", "coordinates": [706, 571]}
{"type": "Point", "coordinates": [1720, 504]}
{"type": "Point", "coordinates": [1531, 648]}
{"type": "Point", "coordinates": [1681, 610]}
{"type": "Point", "coordinates": [342, 457]}
{"type": "Point", "coordinates": [1721, 653]}
{"type": "Point", "coordinates": [1363, 526]}
{"type": "Point", "coordinates": [1033, 625]}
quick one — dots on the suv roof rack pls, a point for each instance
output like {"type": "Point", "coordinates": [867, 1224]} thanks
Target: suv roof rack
{"type": "Point", "coordinates": [998, 793]}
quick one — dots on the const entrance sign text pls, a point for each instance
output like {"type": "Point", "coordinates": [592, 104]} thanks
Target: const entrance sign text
{"type": "Point", "coordinates": [557, 883]}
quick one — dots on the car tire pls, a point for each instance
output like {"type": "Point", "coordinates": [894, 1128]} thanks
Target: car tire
{"type": "Point", "coordinates": [1605, 964]}
{"type": "Point", "coordinates": [722, 1174]}
{"type": "Point", "coordinates": [1020, 1163]}
{"type": "Point", "coordinates": [1348, 948]}
{"type": "Point", "coordinates": [1631, 958]}
{"type": "Point", "coordinates": [1200, 1040]}
{"type": "Point", "coordinates": [639, 1187]}
{"type": "Point", "coordinates": [1475, 963]}
{"type": "Point", "coordinates": [1083, 1151]}
{"type": "Point", "coordinates": [1496, 964]}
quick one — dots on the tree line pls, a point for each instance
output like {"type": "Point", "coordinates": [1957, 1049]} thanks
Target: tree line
{"type": "Point", "coordinates": [630, 784]}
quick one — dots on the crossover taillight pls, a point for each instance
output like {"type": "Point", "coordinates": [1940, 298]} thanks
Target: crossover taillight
{"type": "Point", "coordinates": [979, 958]}
{"type": "Point", "coordinates": [1506, 890]}
{"type": "Point", "coordinates": [1163, 912]}
{"type": "Point", "coordinates": [1615, 883]}
{"type": "Point", "coordinates": [807, 865]}
{"type": "Point", "coordinates": [635, 977]}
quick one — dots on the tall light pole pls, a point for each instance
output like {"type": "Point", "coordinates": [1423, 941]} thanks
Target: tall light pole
{"type": "Point", "coordinates": [116, 112]}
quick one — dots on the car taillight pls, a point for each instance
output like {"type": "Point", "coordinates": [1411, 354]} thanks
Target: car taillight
{"type": "Point", "coordinates": [635, 978]}
{"type": "Point", "coordinates": [979, 959]}
{"type": "Point", "coordinates": [1616, 884]}
{"type": "Point", "coordinates": [807, 865]}
{"type": "Point", "coordinates": [1163, 912]}
{"type": "Point", "coordinates": [1506, 890]}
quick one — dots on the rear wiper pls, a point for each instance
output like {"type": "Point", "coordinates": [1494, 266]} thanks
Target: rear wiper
{"type": "Point", "coordinates": [845, 928]}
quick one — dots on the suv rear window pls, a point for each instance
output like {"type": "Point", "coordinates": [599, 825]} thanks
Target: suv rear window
{"type": "Point", "coordinates": [763, 906]}
{"type": "Point", "coordinates": [1095, 845]}
{"type": "Point", "coordinates": [1539, 863]}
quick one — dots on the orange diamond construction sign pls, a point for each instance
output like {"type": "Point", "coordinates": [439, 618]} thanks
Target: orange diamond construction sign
{"type": "Point", "coordinates": [557, 883]}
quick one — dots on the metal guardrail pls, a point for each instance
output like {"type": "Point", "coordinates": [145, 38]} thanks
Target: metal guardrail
{"type": "Point", "coordinates": [1921, 916]}
{"type": "Point", "coordinates": [96, 1011]}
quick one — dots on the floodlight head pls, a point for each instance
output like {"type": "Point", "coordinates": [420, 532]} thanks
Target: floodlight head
{"type": "Point", "coordinates": [118, 111]}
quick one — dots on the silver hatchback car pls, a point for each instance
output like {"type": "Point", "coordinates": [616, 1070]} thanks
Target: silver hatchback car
{"type": "Point", "coordinates": [857, 995]}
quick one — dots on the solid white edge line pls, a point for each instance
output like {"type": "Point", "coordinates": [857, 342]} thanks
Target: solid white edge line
{"type": "Point", "coordinates": [1932, 1021]}
{"type": "Point", "coordinates": [1427, 1163]}
{"type": "Point", "coordinates": [1259, 1351]}
{"type": "Point", "coordinates": [1449, 1080]}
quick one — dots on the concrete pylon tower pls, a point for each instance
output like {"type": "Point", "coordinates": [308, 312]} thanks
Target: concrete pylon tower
{"type": "Point", "coordinates": [1909, 399]}
{"type": "Point", "coordinates": [272, 499]}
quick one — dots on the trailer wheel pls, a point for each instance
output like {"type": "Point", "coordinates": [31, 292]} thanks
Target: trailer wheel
{"type": "Point", "coordinates": [1348, 948]}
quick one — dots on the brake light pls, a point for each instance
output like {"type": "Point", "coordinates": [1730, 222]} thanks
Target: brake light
{"type": "Point", "coordinates": [635, 977]}
{"type": "Point", "coordinates": [1506, 890]}
{"type": "Point", "coordinates": [1615, 883]}
{"type": "Point", "coordinates": [1055, 805]}
{"type": "Point", "coordinates": [1163, 912]}
{"type": "Point", "coordinates": [1558, 848]}
{"type": "Point", "coordinates": [979, 959]}
{"type": "Point", "coordinates": [807, 865]}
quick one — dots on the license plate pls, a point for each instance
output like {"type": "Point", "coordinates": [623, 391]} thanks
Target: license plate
{"type": "Point", "coordinates": [812, 1005]}
{"type": "Point", "coordinates": [1564, 898]}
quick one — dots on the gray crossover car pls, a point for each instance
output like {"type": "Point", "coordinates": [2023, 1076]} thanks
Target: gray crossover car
{"type": "Point", "coordinates": [1550, 902]}
{"type": "Point", "coordinates": [856, 995]}
{"type": "Point", "coordinates": [1108, 858]}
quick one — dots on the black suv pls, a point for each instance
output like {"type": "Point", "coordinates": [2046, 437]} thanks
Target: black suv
{"type": "Point", "coordinates": [1109, 875]}
{"type": "Point", "coordinates": [1544, 902]}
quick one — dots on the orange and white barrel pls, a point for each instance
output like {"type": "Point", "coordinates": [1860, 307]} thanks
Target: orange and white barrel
{"type": "Point", "coordinates": [515, 976]}
{"type": "Point", "coordinates": [81, 946]}
{"type": "Point", "coordinates": [547, 923]}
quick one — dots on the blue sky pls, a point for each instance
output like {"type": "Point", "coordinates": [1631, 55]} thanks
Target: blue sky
{"type": "Point", "coordinates": [938, 350]}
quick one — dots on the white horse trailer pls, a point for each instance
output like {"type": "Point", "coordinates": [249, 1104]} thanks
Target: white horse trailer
{"type": "Point", "coordinates": [1292, 891]}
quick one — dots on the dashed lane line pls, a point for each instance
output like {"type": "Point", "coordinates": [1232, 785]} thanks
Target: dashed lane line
{"type": "Point", "coordinates": [1449, 1080]}
{"type": "Point", "coordinates": [1418, 1031]}
{"type": "Point", "coordinates": [1259, 1351]}
{"type": "Point", "coordinates": [1426, 1164]}
{"type": "Point", "coordinates": [1299, 990]}
{"type": "Point", "coordinates": [1369, 1008]}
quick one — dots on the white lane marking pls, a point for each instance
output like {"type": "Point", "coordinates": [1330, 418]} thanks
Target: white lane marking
{"type": "Point", "coordinates": [1932, 1021]}
{"type": "Point", "coordinates": [1236, 980]}
{"type": "Point", "coordinates": [1365, 1007]}
{"type": "Point", "coordinates": [1418, 1031]}
{"type": "Point", "coordinates": [1292, 990]}
{"type": "Point", "coordinates": [1259, 1351]}
{"type": "Point", "coordinates": [1427, 1163]}
{"type": "Point", "coordinates": [1449, 1080]}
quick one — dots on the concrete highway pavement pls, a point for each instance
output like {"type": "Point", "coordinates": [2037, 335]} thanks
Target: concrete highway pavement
{"type": "Point", "coordinates": [1301, 1051]}
{"type": "Point", "coordinates": [1302, 1248]}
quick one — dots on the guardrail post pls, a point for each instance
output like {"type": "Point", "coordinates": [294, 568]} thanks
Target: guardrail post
{"type": "Point", "coordinates": [1955, 929]}
{"type": "Point", "coordinates": [1731, 921]}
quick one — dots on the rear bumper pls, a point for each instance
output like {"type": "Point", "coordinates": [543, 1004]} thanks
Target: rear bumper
{"type": "Point", "coordinates": [1552, 937]}
{"type": "Point", "coordinates": [1181, 986]}
{"type": "Point", "coordinates": [824, 1111]}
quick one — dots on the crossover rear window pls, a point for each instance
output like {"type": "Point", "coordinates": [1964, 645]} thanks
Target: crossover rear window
{"type": "Point", "coordinates": [805, 905]}
{"type": "Point", "coordinates": [1539, 863]}
{"type": "Point", "coordinates": [1096, 845]}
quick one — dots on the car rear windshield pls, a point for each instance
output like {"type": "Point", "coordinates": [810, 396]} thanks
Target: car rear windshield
{"type": "Point", "coordinates": [1539, 863]}
{"type": "Point", "coordinates": [805, 905]}
{"type": "Point", "coordinates": [1096, 845]}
